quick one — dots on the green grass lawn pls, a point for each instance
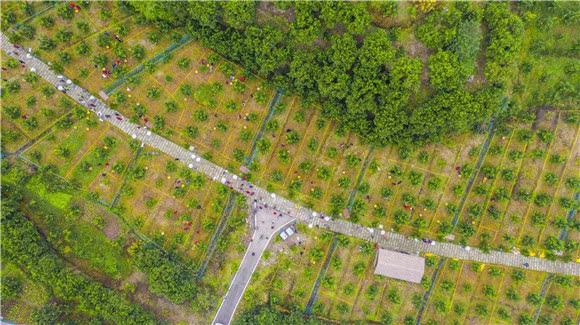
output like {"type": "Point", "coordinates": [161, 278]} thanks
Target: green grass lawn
{"type": "Point", "coordinates": [59, 200]}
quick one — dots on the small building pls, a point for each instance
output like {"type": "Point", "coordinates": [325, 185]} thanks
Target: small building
{"type": "Point", "coordinates": [400, 266]}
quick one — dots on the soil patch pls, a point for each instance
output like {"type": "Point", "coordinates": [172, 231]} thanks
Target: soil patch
{"type": "Point", "coordinates": [272, 9]}
{"type": "Point", "coordinates": [112, 229]}
{"type": "Point", "coordinates": [540, 116]}
{"type": "Point", "coordinates": [161, 307]}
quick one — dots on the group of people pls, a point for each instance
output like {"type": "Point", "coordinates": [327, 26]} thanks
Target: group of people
{"type": "Point", "coordinates": [86, 99]}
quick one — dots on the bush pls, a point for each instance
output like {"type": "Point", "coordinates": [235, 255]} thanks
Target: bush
{"type": "Point", "coordinates": [266, 314]}
{"type": "Point", "coordinates": [47, 314]}
{"type": "Point", "coordinates": [47, 44]}
{"type": "Point", "coordinates": [11, 287]}
{"type": "Point", "coordinates": [415, 178]}
{"type": "Point", "coordinates": [542, 200]}
{"type": "Point", "coordinates": [138, 52]}
{"type": "Point", "coordinates": [12, 111]}
{"type": "Point", "coordinates": [546, 136]}
{"type": "Point", "coordinates": [184, 63]}
{"type": "Point", "coordinates": [401, 217]}
{"type": "Point", "coordinates": [386, 192]}
{"type": "Point", "coordinates": [166, 274]}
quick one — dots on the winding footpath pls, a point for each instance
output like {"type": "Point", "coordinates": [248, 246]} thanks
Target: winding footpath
{"type": "Point", "coordinates": [280, 210]}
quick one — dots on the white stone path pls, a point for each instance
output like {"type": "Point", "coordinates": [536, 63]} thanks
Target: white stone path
{"type": "Point", "coordinates": [281, 206]}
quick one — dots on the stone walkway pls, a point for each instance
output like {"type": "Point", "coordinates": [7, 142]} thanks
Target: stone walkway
{"type": "Point", "coordinates": [279, 206]}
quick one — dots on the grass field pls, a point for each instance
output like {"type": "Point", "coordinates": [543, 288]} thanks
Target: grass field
{"type": "Point", "coordinates": [517, 199]}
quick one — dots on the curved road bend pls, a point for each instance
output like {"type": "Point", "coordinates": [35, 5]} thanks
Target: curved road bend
{"type": "Point", "coordinates": [287, 208]}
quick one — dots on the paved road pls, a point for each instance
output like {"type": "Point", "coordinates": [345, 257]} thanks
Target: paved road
{"type": "Point", "coordinates": [267, 223]}
{"type": "Point", "coordinates": [281, 206]}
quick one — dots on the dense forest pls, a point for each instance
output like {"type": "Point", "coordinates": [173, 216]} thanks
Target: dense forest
{"type": "Point", "coordinates": [333, 56]}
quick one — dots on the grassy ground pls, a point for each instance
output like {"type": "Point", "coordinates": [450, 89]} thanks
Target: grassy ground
{"type": "Point", "coordinates": [548, 71]}
{"type": "Point", "coordinates": [198, 106]}
{"type": "Point", "coordinates": [33, 295]}
{"type": "Point", "coordinates": [101, 19]}
{"type": "Point", "coordinates": [29, 111]}
{"type": "Point", "coordinates": [84, 238]}
{"type": "Point", "coordinates": [301, 156]}
{"type": "Point", "coordinates": [478, 293]}
{"type": "Point", "coordinates": [287, 272]}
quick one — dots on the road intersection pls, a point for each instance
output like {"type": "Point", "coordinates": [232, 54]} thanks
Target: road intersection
{"type": "Point", "coordinates": [266, 224]}
{"type": "Point", "coordinates": [275, 210]}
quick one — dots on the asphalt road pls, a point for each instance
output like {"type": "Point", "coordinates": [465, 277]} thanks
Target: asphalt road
{"type": "Point", "coordinates": [267, 226]}
{"type": "Point", "coordinates": [279, 207]}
